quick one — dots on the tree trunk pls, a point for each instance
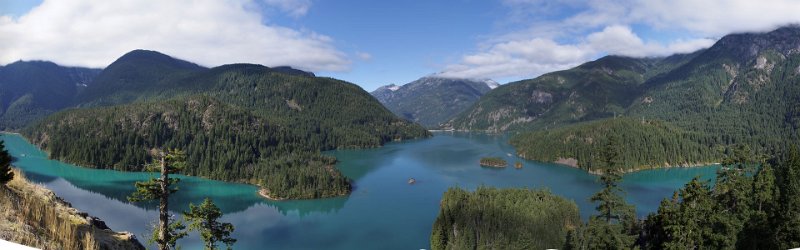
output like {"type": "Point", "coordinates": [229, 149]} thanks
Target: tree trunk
{"type": "Point", "coordinates": [163, 216]}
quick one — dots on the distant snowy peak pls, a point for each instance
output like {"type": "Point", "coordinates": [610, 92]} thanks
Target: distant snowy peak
{"type": "Point", "coordinates": [438, 78]}
{"type": "Point", "coordinates": [491, 83]}
{"type": "Point", "coordinates": [433, 99]}
{"type": "Point", "coordinates": [390, 87]}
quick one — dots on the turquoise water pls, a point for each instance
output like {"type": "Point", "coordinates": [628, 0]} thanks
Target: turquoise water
{"type": "Point", "coordinates": [383, 212]}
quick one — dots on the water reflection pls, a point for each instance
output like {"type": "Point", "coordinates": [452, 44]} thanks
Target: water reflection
{"type": "Point", "coordinates": [383, 212]}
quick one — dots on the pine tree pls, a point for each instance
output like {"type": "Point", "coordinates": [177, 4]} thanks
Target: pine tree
{"type": "Point", "coordinates": [756, 230]}
{"type": "Point", "coordinates": [171, 162]}
{"type": "Point", "coordinates": [686, 225]}
{"type": "Point", "coordinates": [611, 203]}
{"type": "Point", "coordinates": [204, 219]}
{"type": "Point", "coordinates": [615, 225]}
{"type": "Point", "coordinates": [785, 218]}
{"type": "Point", "coordinates": [5, 165]}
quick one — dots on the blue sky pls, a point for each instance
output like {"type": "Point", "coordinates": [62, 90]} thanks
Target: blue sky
{"type": "Point", "coordinates": [373, 43]}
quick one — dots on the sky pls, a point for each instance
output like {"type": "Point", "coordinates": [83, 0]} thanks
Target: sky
{"type": "Point", "coordinates": [374, 43]}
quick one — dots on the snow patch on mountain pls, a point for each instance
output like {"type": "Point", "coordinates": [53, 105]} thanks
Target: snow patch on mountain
{"type": "Point", "coordinates": [491, 83]}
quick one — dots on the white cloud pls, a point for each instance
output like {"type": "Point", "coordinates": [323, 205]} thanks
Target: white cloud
{"type": "Point", "coordinates": [364, 56]}
{"type": "Point", "coordinates": [716, 17]}
{"type": "Point", "coordinates": [598, 27]}
{"type": "Point", "coordinates": [295, 8]}
{"type": "Point", "coordinates": [209, 32]}
{"type": "Point", "coordinates": [529, 58]}
{"type": "Point", "coordinates": [620, 40]}
{"type": "Point", "coordinates": [518, 58]}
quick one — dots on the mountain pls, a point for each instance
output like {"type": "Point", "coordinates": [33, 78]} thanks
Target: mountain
{"type": "Point", "coordinates": [742, 90]}
{"type": "Point", "coordinates": [30, 90]}
{"type": "Point", "coordinates": [385, 92]}
{"type": "Point", "coordinates": [432, 100]}
{"type": "Point", "coordinates": [596, 89]}
{"type": "Point", "coordinates": [239, 122]}
{"type": "Point", "coordinates": [122, 80]}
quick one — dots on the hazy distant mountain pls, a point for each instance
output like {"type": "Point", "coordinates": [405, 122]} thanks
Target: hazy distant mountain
{"type": "Point", "coordinates": [34, 89]}
{"type": "Point", "coordinates": [432, 100]}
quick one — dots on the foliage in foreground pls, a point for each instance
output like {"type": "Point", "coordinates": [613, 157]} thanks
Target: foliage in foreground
{"type": "Point", "coordinates": [6, 174]}
{"type": "Point", "coordinates": [491, 218]}
{"type": "Point", "coordinates": [753, 204]}
{"type": "Point", "coordinates": [203, 218]}
{"type": "Point", "coordinates": [168, 231]}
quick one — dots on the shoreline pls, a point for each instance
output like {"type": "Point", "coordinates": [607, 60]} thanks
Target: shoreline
{"type": "Point", "coordinates": [632, 170]}
{"type": "Point", "coordinates": [263, 192]}
{"type": "Point", "coordinates": [573, 163]}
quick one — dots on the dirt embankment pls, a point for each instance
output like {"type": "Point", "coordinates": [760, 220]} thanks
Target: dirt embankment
{"type": "Point", "coordinates": [34, 216]}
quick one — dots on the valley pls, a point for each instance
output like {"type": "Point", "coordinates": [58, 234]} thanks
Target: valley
{"type": "Point", "coordinates": [305, 124]}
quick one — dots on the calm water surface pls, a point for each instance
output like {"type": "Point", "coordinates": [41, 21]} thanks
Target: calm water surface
{"type": "Point", "coordinates": [383, 212]}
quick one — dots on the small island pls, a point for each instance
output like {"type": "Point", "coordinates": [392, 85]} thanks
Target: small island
{"type": "Point", "coordinates": [518, 165]}
{"type": "Point", "coordinates": [494, 162]}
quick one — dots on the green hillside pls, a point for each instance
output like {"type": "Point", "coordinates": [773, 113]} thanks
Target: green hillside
{"type": "Point", "coordinates": [742, 90]}
{"type": "Point", "coordinates": [641, 145]}
{"type": "Point", "coordinates": [594, 90]}
{"type": "Point", "coordinates": [242, 122]}
{"type": "Point", "coordinates": [122, 80]}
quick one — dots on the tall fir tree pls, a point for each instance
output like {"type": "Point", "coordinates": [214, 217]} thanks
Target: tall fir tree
{"type": "Point", "coordinates": [204, 218]}
{"type": "Point", "coordinates": [785, 219]}
{"type": "Point", "coordinates": [5, 165]}
{"type": "Point", "coordinates": [171, 162]}
{"type": "Point", "coordinates": [615, 225]}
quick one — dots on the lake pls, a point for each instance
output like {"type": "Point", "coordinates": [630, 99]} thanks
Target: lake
{"type": "Point", "coordinates": [383, 212]}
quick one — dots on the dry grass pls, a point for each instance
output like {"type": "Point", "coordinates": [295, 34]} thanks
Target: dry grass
{"type": "Point", "coordinates": [32, 215]}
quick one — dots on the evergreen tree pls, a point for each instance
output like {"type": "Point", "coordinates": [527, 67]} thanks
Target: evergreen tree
{"type": "Point", "coordinates": [204, 218]}
{"type": "Point", "coordinates": [687, 227]}
{"type": "Point", "coordinates": [5, 165]}
{"type": "Point", "coordinates": [756, 230]}
{"type": "Point", "coordinates": [615, 224]}
{"type": "Point", "coordinates": [611, 203]}
{"type": "Point", "coordinates": [733, 194]}
{"type": "Point", "coordinates": [786, 217]}
{"type": "Point", "coordinates": [171, 162]}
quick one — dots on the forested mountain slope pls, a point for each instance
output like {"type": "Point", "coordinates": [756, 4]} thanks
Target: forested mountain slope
{"type": "Point", "coordinates": [594, 90]}
{"type": "Point", "coordinates": [742, 90]}
{"type": "Point", "coordinates": [238, 122]}
{"type": "Point", "coordinates": [641, 144]}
